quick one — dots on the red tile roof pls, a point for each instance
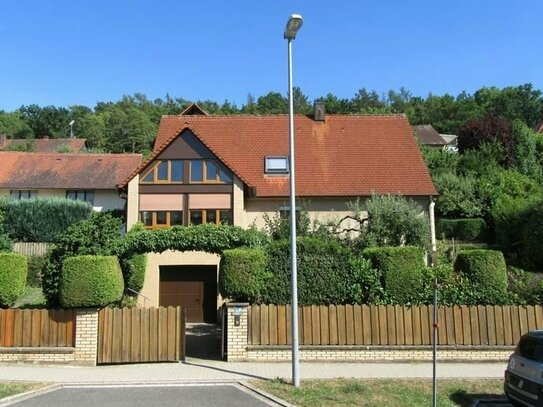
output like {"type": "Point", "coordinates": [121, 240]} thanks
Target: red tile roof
{"type": "Point", "coordinates": [47, 145]}
{"type": "Point", "coordinates": [343, 156]}
{"type": "Point", "coordinates": [65, 171]}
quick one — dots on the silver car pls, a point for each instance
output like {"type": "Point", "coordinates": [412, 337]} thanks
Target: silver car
{"type": "Point", "coordinates": [524, 374]}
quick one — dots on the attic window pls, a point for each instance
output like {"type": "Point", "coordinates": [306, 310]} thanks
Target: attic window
{"type": "Point", "coordinates": [276, 165]}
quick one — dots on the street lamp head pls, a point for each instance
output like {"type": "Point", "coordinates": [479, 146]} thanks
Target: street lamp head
{"type": "Point", "coordinates": [294, 23]}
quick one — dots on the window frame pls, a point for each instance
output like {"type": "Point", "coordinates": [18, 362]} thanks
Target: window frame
{"type": "Point", "coordinates": [78, 192]}
{"type": "Point", "coordinates": [30, 193]}
{"type": "Point", "coordinates": [278, 171]}
{"type": "Point", "coordinates": [218, 220]}
{"type": "Point", "coordinates": [219, 168]}
{"type": "Point", "coordinates": [154, 171]}
{"type": "Point", "coordinates": [155, 225]}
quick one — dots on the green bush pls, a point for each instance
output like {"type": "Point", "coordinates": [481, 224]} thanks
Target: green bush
{"type": "Point", "coordinates": [13, 271]}
{"type": "Point", "coordinates": [90, 281]}
{"type": "Point", "coordinates": [134, 272]}
{"type": "Point", "coordinates": [98, 235]}
{"type": "Point", "coordinates": [42, 220]}
{"type": "Point", "coordinates": [486, 272]}
{"type": "Point", "coordinates": [532, 237]}
{"type": "Point", "coordinates": [243, 275]}
{"type": "Point", "coordinates": [462, 229]}
{"type": "Point", "coordinates": [401, 270]}
{"type": "Point", "coordinates": [326, 274]}
{"type": "Point", "coordinates": [6, 244]}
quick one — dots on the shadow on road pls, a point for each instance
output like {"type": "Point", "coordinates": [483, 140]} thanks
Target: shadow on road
{"type": "Point", "coordinates": [203, 341]}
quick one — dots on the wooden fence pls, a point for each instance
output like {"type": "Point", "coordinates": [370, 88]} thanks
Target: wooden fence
{"type": "Point", "coordinates": [393, 325]}
{"type": "Point", "coordinates": [37, 328]}
{"type": "Point", "coordinates": [32, 249]}
{"type": "Point", "coordinates": [135, 335]}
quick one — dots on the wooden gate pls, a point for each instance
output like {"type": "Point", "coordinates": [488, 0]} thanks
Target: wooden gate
{"type": "Point", "coordinates": [137, 335]}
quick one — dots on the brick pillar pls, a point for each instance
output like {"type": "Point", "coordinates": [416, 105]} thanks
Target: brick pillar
{"type": "Point", "coordinates": [236, 342]}
{"type": "Point", "coordinates": [86, 336]}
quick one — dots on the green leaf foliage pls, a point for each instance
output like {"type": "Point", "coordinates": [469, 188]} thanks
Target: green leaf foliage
{"type": "Point", "coordinates": [401, 271]}
{"type": "Point", "coordinates": [134, 272]}
{"type": "Point", "coordinates": [208, 238]}
{"type": "Point", "coordinates": [243, 274]}
{"type": "Point", "coordinates": [42, 220]}
{"type": "Point", "coordinates": [394, 221]}
{"type": "Point", "coordinates": [462, 229]}
{"type": "Point", "coordinates": [326, 273]}
{"type": "Point", "coordinates": [98, 235]}
{"type": "Point", "coordinates": [486, 272]}
{"type": "Point", "coordinates": [532, 237]}
{"type": "Point", "coordinates": [13, 271]}
{"type": "Point", "coordinates": [90, 281]}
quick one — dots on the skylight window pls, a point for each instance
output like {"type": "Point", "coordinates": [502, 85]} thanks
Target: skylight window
{"type": "Point", "coordinates": [276, 165]}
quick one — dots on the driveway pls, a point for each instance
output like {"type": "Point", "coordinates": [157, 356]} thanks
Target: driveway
{"type": "Point", "coordinates": [209, 395]}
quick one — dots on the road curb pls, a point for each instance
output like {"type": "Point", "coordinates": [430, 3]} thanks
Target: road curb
{"type": "Point", "coordinates": [7, 401]}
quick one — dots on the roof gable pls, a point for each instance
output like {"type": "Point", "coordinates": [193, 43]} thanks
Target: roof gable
{"type": "Point", "coordinates": [344, 156]}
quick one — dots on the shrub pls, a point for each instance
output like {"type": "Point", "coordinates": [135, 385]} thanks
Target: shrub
{"type": "Point", "coordinates": [35, 265]}
{"type": "Point", "coordinates": [98, 235]}
{"type": "Point", "coordinates": [325, 273]}
{"type": "Point", "coordinates": [134, 272]}
{"type": "Point", "coordinates": [532, 237]}
{"type": "Point", "coordinates": [243, 275]}
{"type": "Point", "coordinates": [42, 220]}
{"type": "Point", "coordinates": [13, 271]}
{"type": "Point", "coordinates": [486, 272]}
{"type": "Point", "coordinates": [462, 229]}
{"type": "Point", "coordinates": [90, 281]}
{"type": "Point", "coordinates": [401, 270]}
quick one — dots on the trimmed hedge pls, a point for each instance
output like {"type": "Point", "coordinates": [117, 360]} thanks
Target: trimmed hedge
{"type": "Point", "coordinates": [463, 229]}
{"type": "Point", "coordinates": [134, 272]}
{"type": "Point", "coordinates": [402, 271]}
{"type": "Point", "coordinates": [486, 272]}
{"type": "Point", "coordinates": [243, 275]}
{"type": "Point", "coordinates": [532, 237]}
{"type": "Point", "coordinates": [326, 274]}
{"type": "Point", "coordinates": [42, 219]}
{"type": "Point", "coordinates": [90, 281]}
{"type": "Point", "coordinates": [13, 272]}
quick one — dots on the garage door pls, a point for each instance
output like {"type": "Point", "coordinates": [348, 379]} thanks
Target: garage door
{"type": "Point", "coordinates": [188, 294]}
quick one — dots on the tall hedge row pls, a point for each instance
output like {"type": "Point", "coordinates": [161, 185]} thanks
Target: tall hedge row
{"type": "Point", "coordinates": [90, 281]}
{"type": "Point", "coordinates": [486, 272]}
{"type": "Point", "coordinates": [401, 271]}
{"type": "Point", "coordinates": [42, 219]}
{"type": "Point", "coordinates": [243, 274]}
{"type": "Point", "coordinates": [13, 272]}
{"type": "Point", "coordinates": [463, 229]}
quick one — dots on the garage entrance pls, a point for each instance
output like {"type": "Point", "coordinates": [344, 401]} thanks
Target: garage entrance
{"type": "Point", "coordinates": [192, 287]}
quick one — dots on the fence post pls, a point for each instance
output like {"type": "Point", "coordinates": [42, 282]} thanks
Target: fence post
{"type": "Point", "coordinates": [86, 336]}
{"type": "Point", "coordinates": [237, 325]}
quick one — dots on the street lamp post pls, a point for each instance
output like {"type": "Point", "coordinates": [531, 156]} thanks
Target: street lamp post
{"type": "Point", "coordinates": [293, 25]}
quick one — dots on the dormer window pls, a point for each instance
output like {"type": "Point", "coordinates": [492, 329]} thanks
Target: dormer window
{"type": "Point", "coordinates": [276, 165]}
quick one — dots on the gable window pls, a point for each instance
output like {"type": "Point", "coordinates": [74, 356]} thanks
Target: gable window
{"type": "Point", "coordinates": [209, 172]}
{"type": "Point", "coordinates": [161, 219]}
{"type": "Point", "coordinates": [81, 195]}
{"type": "Point", "coordinates": [164, 172]}
{"type": "Point", "coordinates": [276, 165]}
{"type": "Point", "coordinates": [23, 193]}
{"type": "Point", "coordinates": [213, 216]}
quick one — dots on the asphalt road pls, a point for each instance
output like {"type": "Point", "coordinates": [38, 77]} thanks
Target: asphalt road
{"type": "Point", "coordinates": [186, 395]}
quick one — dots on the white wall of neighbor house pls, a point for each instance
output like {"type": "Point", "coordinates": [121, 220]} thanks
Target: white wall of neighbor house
{"type": "Point", "coordinates": [107, 200]}
{"type": "Point", "coordinates": [133, 202]}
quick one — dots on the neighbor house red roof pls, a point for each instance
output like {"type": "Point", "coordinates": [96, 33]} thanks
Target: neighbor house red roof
{"type": "Point", "coordinates": [46, 145]}
{"type": "Point", "coordinates": [354, 155]}
{"type": "Point", "coordinates": [65, 171]}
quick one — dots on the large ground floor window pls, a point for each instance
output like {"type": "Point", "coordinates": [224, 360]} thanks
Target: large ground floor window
{"type": "Point", "coordinates": [161, 219]}
{"type": "Point", "coordinates": [215, 216]}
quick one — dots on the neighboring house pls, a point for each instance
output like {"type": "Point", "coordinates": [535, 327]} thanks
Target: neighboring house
{"type": "Point", "coordinates": [428, 136]}
{"type": "Point", "coordinates": [452, 142]}
{"type": "Point", "coordinates": [86, 177]}
{"type": "Point", "coordinates": [44, 145]}
{"type": "Point", "coordinates": [539, 127]}
{"type": "Point", "coordinates": [234, 169]}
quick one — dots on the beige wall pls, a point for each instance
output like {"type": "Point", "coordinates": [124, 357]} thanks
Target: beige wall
{"type": "Point", "coordinates": [133, 202]}
{"type": "Point", "coordinates": [172, 258]}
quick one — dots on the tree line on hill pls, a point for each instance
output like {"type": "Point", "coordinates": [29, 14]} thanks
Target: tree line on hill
{"type": "Point", "coordinates": [130, 124]}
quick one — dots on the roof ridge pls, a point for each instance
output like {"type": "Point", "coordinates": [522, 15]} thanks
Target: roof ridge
{"type": "Point", "coordinates": [260, 116]}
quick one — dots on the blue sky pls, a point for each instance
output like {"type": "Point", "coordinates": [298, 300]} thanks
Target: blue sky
{"type": "Point", "coordinates": [65, 52]}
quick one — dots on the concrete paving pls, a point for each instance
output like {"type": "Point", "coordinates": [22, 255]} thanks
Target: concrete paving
{"type": "Point", "coordinates": [200, 370]}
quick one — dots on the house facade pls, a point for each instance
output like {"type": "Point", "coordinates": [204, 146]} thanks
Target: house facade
{"type": "Point", "coordinates": [234, 170]}
{"type": "Point", "coordinates": [86, 177]}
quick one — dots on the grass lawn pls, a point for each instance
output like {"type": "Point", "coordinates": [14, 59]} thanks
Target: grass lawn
{"type": "Point", "coordinates": [32, 298]}
{"type": "Point", "coordinates": [11, 388]}
{"type": "Point", "coordinates": [382, 393]}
